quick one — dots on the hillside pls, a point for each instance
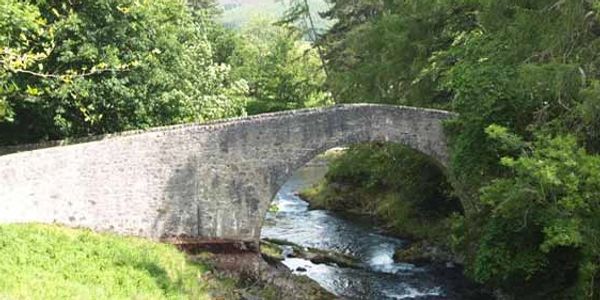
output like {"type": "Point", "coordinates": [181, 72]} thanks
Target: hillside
{"type": "Point", "coordinates": [236, 13]}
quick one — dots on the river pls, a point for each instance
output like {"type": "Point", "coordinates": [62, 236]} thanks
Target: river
{"type": "Point", "coordinates": [380, 277]}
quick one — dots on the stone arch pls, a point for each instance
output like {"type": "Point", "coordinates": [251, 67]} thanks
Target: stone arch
{"type": "Point", "coordinates": [425, 134]}
{"type": "Point", "coordinates": [211, 181]}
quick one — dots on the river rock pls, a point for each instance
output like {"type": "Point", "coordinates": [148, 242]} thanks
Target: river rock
{"type": "Point", "coordinates": [421, 253]}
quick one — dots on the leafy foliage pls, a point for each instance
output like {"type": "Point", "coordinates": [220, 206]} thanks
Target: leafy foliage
{"type": "Point", "coordinates": [379, 51]}
{"type": "Point", "coordinates": [68, 70]}
{"type": "Point", "coordinates": [550, 206]}
{"type": "Point", "coordinates": [523, 76]}
{"type": "Point", "coordinates": [282, 71]}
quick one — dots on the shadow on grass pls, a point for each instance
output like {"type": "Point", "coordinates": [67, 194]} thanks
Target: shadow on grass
{"type": "Point", "coordinates": [161, 277]}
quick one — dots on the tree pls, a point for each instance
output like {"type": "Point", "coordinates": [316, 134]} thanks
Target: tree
{"type": "Point", "coordinates": [90, 67]}
{"type": "Point", "coordinates": [300, 15]}
{"type": "Point", "coordinates": [379, 51]}
{"type": "Point", "coordinates": [528, 68]}
{"type": "Point", "coordinates": [539, 236]}
{"type": "Point", "coordinates": [283, 72]}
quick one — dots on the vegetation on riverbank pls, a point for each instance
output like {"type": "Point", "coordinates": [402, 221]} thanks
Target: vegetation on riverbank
{"type": "Point", "coordinates": [404, 191]}
{"type": "Point", "coordinates": [401, 190]}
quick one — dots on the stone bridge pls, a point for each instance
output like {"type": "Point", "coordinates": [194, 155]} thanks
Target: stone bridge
{"type": "Point", "coordinates": [214, 181]}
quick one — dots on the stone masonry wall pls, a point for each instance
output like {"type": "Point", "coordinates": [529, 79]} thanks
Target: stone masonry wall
{"type": "Point", "coordinates": [212, 181]}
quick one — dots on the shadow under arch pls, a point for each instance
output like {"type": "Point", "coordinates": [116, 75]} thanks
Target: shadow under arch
{"type": "Point", "coordinates": [310, 155]}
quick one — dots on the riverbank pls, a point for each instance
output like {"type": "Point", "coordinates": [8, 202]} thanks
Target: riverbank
{"type": "Point", "coordinates": [397, 189]}
{"type": "Point", "coordinates": [372, 273]}
{"type": "Point", "coordinates": [54, 262]}
{"type": "Point", "coordinates": [404, 195]}
{"type": "Point", "coordinates": [427, 237]}
{"type": "Point", "coordinates": [425, 247]}
{"type": "Point", "coordinates": [259, 276]}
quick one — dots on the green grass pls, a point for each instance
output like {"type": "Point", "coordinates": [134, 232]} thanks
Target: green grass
{"type": "Point", "coordinates": [53, 262]}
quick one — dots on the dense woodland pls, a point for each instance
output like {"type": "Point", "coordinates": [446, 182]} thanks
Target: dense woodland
{"type": "Point", "coordinates": [68, 70]}
{"type": "Point", "coordinates": [523, 75]}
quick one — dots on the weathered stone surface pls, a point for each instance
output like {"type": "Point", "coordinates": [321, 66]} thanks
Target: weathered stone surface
{"type": "Point", "coordinates": [212, 180]}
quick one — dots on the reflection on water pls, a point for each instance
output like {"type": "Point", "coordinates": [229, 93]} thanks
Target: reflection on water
{"type": "Point", "coordinates": [380, 278]}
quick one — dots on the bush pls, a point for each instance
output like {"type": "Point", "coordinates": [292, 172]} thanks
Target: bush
{"type": "Point", "coordinates": [542, 226]}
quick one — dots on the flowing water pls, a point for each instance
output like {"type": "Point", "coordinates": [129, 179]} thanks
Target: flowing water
{"type": "Point", "coordinates": [380, 278]}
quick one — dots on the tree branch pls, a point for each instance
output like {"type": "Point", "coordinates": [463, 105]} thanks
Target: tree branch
{"type": "Point", "coordinates": [46, 75]}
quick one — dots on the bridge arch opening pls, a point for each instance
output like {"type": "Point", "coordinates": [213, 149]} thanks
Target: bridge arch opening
{"type": "Point", "coordinates": [335, 221]}
{"type": "Point", "coordinates": [373, 169]}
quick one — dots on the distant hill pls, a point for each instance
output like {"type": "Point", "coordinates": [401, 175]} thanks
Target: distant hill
{"type": "Point", "coordinates": [236, 13]}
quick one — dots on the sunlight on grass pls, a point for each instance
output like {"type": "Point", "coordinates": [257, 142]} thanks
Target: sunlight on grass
{"type": "Point", "coordinates": [52, 262]}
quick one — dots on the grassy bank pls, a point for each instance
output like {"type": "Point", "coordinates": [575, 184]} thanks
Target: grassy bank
{"type": "Point", "coordinates": [52, 262]}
